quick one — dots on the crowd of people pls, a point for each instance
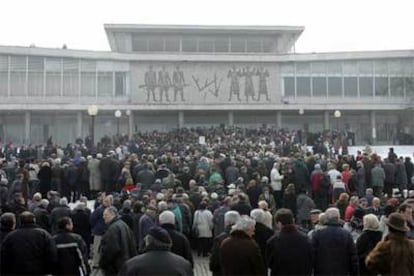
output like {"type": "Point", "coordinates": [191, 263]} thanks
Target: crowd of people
{"type": "Point", "coordinates": [252, 201]}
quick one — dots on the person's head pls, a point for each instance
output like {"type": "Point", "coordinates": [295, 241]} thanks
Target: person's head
{"type": "Point", "coordinates": [8, 221]}
{"type": "Point", "coordinates": [65, 224]}
{"type": "Point", "coordinates": [27, 218]}
{"type": "Point", "coordinates": [376, 202]}
{"type": "Point", "coordinates": [258, 215]}
{"type": "Point", "coordinates": [152, 210]}
{"type": "Point", "coordinates": [363, 202]}
{"type": "Point", "coordinates": [63, 201]}
{"type": "Point", "coordinates": [396, 223]}
{"type": "Point", "coordinates": [37, 197]}
{"type": "Point", "coordinates": [354, 200]}
{"type": "Point", "coordinates": [108, 201]}
{"type": "Point", "coordinates": [332, 215]}
{"type": "Point", "coordinates": [230, 218]}
{"type": "Point", "coordinates": [371, 222]}
{"type": "Point", "coordinates": [343, 197]}
{"type": "Point", "coordinates": [407, 211]}
{"type": "Point", "coordinates": [369, 191]}
{"type": "Point", "coordinates": [284, 217]}
{"type": "Point", "coordinates": [262, 204]}
{"type": "Point", "coordinates": [109, 214]}
{"type": "Point", "coordinates": [157, 238]}
{"type": "Point", "coordinates": [314, 215]}
{"type": "Point", "coordinates": [245, 224]}
{"type": "Point", "coordinates": [166, 217]}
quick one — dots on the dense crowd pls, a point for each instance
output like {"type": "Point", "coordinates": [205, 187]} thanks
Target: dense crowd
{"type": "Point", "coordinates": [248, 199]}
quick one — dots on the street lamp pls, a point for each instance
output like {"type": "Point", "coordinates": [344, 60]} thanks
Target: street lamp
{"type": "Point", "coordinates": [118, 115]}
{"type": "Point", "coordinates": [92, 112]}
{"type": "Point", "coordinates": [337, 115]}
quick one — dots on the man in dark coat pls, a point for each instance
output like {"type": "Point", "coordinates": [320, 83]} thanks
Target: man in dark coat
{"type": "Point", "coordinates": [242, 206]}
{"type": "Point", "coordinates": [118, 243]}
{"type": "Point", "coordinates": [63, 210]}
{"type": "Point", "coordinates": [80, 217]}
{"type": "Point", "coordinates": [157, 259]}
{"type": "Point", "coordinates": [289, 252]}
{"type": "Point", "coordinates": [239, 253]}
{"type": "Point", "coordinates": [262, 233]}
{"type": "Point", "coordinates": [71, 249]}
{"type": "Point", "coordinates": [334, 248]}
{"type": "Point", "coordinates": [145, 176]}
{"type": "Point", "coordinates": [7, 224]}
{"type": "Point", "coordinates": [28, 250]}
{"type": "Point", "coordinates": [110, 170]}
{"type": "Point", "coordinates": [42, 215]}
{"type": "Point", "coordinates": [180, 244]}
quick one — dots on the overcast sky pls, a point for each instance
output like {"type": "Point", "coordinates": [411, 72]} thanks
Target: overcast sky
{"type": "Point", "coordinates": [330, 25]}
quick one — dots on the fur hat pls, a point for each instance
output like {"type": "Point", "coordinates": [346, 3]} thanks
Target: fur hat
{"type": "Point", "coordinates": [397, 222]}
{"type": "Point", "coordinates": [159, 234]}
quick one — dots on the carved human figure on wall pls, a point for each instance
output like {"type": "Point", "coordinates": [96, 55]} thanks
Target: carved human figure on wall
{"type": "Point", "coordinates": [248, 83]}
{"type": "Point", "coordinates": [178, 83]}
{"type": "Point", "coordinates": [164, 83]}
{"type": "Point", "coordinates": [150, 81]}
{"type": "Point", "coordinates": [263, 75]}
{"type": "Point", "coordinates": [234, 75]}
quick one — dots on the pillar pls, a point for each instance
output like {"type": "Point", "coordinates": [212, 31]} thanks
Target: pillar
{"type": "Point", "coordinates": [130, 124]}
{"type": "Point", "coordinates": [279, 119]}
{"type": "Point", "coordinates": [373, 126]}
{"type": "Point", "coordinates": [27, 125]}
{"type": "Point", "coordinates": [180, 119]}
{"type": "Point", "coordinates": [326, 125]}
{"type": "Point", "coordinates": [231, 118]}
{"type": "Point", "coordinates": [79, 124]}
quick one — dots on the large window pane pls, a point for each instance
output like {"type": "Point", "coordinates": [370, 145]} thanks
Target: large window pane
{"type": "Point", "coordinates": [334, 67]}
{"type": "Point", "coordinates": [88, 84]}
{"type": "Point", "coordinates": [120, 84]}
{"type": "Point", "coordinates": [155, 44]}
{"type": "Point", "coordinates": [206, 45]}
{"type": "Point", "coordinates": [140, 44]}
{"type": "Point", "coordinates": [35, 84]}
{"type": "Point", "coordinates": [381, 67]}
{"type": "Point", "coordinates": [365, 87]}
{"type": "Point", "coordinates": [335, 87]}
{"type": "Point", "coordinates": [70, 77]}
{"type": "Point", "coordinates": [288, 68]}
{"type": "Point", "coordinates": [350, 68]}
{"type": "Point", "coordinates": [319, 68]}
{"type": "Point", "coordinates": [237, 44]}
{"type": "Point", "coordinates": [397, 87]}
{"type": "Point", "coordinates": [409, 87]}
{"type": "Point", "coordinates": [53, 83]}
{"type": "Point", "coordinates": [365, 67]}
{"type": "Point", "coordinates": [221, 44]}
{"type": "Point", "coordinates": [3, 83]}
{"type": "Point", "coordinates": [172, 45]}
{"type": "Point", "coordinates": [189, 44]}
{"type": "Point", "coordinates": [303, 84]}
{"type": "Point", "coordinates": [381, 86]}
{"type": "Point", "coordinates": [17, 83]}
{"type": "Point", "coordinates": [105, 84]}
{"type": "Point", "coordinates": [289, 85]}
{"type": "Point", "coordinates": [319, 87]}
{"type": "Point", "coordinates": [350, 86]}
{"type": "Point", "coordinates": [254, 45]}
{"type": "Point", "coordinates": [303, 68]}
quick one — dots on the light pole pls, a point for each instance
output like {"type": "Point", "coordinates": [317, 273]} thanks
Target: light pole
{"type": "Point", "coordinates": [337, 115]}
{"type": "Point", "coordinates": [128, 113]}
{"type": "Point", "coordinates": [118, 115]}
{"type": "Point", "coordinates": [92, 112]}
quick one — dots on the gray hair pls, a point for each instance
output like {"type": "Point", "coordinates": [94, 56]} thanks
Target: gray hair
{"type": "Point", "coordinates": [332, 214]}
{"type": "Point", "coordinates": [162, 205]}
{"type": "Point", "coordinates": [63, 201]}
{"type": "Point", "coordinates": [245, 223]}
{"type": "Point", "coordinates": [354, 200]}
{"type": "Point", "coordinates": [231, 217]}
{"type": "Point", "coordinates": [258, 215]}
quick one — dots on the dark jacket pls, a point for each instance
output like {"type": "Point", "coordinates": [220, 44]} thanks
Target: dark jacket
{"type": "Point", "coordinates": [215, 266]}
{"type": "Point", "coordinates": [262, 234]}
{"type": "Point", "coordinates": [28, 250]}
{"type": "Point", "coordinates": [240, 255]}
{"type": "Point", "coordinates": [180, 244]}
{"type": "Point", "coordinates": [242, 207]}
{"type": "Point", "coordinates": [334, 251]}
{"type": "Point", "coordinates": [289, 252]}
{"type": "Point", "coordinates": [157, 262]}
{"type": "Point", "coordinates": [364, 244]}
{"type": "Point", "coordinates": [42, 218]}
{"type": "Point", "coordinates": [117, 246]}
{"type": "Point", "coordinates": [81, 224]}
{"type": "Point", "coordinates": [72, 254]}
{"type": "Point", "coordinates": [56, 214]}
{"type": "Point", "coordinates": [97, 222]}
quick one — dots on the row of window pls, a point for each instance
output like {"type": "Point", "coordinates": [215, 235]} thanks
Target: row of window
{"type": "Point", "coordinates": [203, 44]}
{"type": "Point", "coordinates": [349, 86]}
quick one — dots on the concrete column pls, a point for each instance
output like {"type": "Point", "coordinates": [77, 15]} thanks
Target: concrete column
{"type": "Point", "coordinates": [180, 119]}
{"type": "Point", "coordinates": [130, 123]}
{"type": "Point", "coordinates": [326, 120]}
{"type": "Point", "coordinates": [373, 126]}
{"type": "Point", "coordinates": [27, 124]}
{"type": "Point", "coordinates": [231, 118]}
{"type": "Point", "coordinates": [279, 119]}
{"type": "Point", "coordinates": [79, 124]}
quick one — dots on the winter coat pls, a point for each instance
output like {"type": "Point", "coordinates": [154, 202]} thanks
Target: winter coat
{"type": "Point", "coordinates": [117, 246]}
{"type": "Point", "coordinates": [157, 262]}
{"type": "Point", "coordinates": [180, 243]}
{"type": "Point", "coordinates": [304, 205]}
{"type": "Point", "coordinates": [28, 250]}
{"type": "Point", "coordinates": [240, 255]}
{"type": "Point", "coordinates": [377, 177]}
{"type": "Point", "coordinates": [203, 221]}
{"type": "Point", "coordinates": [97, 222]}
{"type": "Point", "coordinates": [364, 244]}
{"type": "Point", "coordinates": [56, 214]}
{"type": "Point", "coordinates": [215, 266]}
{"type": "Point", "coordinates": [94, 174]}
{"type": "Point", "coordinates": [262, 234]}
{"type": "Point", "coordinates": [334, 251]}
{"type": "Point", "coordinates": [42, 218]}
{"type": "Point", "coordinates": [400, 175]}
{"type": "Point", "coordinates": [289, 252]}
{"type": "Point", "coordinates": [81, 225]}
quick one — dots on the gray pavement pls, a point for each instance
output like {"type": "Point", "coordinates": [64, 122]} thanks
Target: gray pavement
{"type": "Point", "coordinates": [201, 266]}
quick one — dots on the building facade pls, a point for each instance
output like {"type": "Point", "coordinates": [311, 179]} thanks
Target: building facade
{"type": "Point", "coordinates": [165, 77]}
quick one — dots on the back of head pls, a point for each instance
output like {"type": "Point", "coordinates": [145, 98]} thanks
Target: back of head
{"type": "Point", "coordinates": [231, 217]}
{"type": "Point", "coordinates": [258, 215]}
{"type": "Point", "coordinates": [62, 222]}
{"type": "Point", "coordinates": [8, 221]}
{"type": "Point", "coordinates": [63, 201]}
{"type": "Point", "coordinates": [332, 215]}
{"type": "Point", "coordinates": [371, 222]}
{"type": "Point", "coordinates": [245, 224]}
{"type": "Point", "coordinates": [27, 218]}
{"type": "Point", "coordinates": [284, 216]}
{"type": "Point", "coordinates": [166, 217]}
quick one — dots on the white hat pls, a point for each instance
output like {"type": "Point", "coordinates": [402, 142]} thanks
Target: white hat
{"type": "Point", "coordinates": [231, 186]}
{"type": "Point", "coordinates": [166, 217]}
{"type": "Point", "coordinates": [214, 195]}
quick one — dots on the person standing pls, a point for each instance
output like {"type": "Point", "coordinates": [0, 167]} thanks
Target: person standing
{"type": "Point", "coordinates": [28, 250]}
{"type": "Point", "coordinates": [377, 179]}
{"type": "Point", "coordinates": [288, 252]}
{"type": "Point", "coordinates": [94, 174]}
{"type": "Point", "coordinates": [117, 245]}
{"type": "Point", "coordinates": [203, 224]}
{"type": "Point", "coordinates": [334, 248]}
{"type": "Point", "coordinates": [234, 75]}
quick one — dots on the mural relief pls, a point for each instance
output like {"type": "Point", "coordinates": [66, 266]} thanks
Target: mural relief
{"type": "Point", "coordinates": [245, 84]}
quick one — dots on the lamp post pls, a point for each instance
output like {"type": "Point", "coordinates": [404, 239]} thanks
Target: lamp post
{"type": "Point", "coordinates": [118, 115]}
{"type": "Point", "coordinates": [337, 115]}
{"type": "Point", "coordinates": [128, 113]}
{"type": "Point", "coordinates": [92, 112]}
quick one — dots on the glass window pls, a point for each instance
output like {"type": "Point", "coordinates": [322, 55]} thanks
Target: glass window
{"type": "Point", "coordinates": [303, 88]}
{"type": "Point", "coordinates": [172, 44]}
{"type": "Point", "coordinates": [120, 84]}
{"type": "Point", "coordinates": [53, 83]}
{"type": "Point", "coordinates": [381, 67]}
{"type": "Point", "coordinates": [350, 86]}
{"type": "Point", "coordinates": [319, 68]}
{"type": "Point", "coordinates": [35, 64]}
{"type": "Point", "coordinates": [206, 45]}
{"type": "Point", "coordinates": [396, 67]}
{"type": "Point", "coordinates": [397, 87]}
{"type": "Point", "coordinates": [381, 86]}
{"type": "Point", "coordinates": [4, 63]}
{"type": "Point", "coordinates": [289, 85]}
{"type": "Point", "coordinates": [221, 45]}
{"type": "Point", "coordinates": [350, 68]}
{"type": "Point", "coordinates": [334, 67]}
{"type": "Point", "coordinates": [288, 68]}
{"type": "Point", "coordinates": [4, 83]}
{"type": "Point", "coordinates": [18, 63]}
{"type": "Point", "coordinates": [319, 87]}
{"type": "Point", "coordinates": [237, 44]}
{"type": "Point", "coordinates": [70, 83]}
{"type": "Point", "coordinates": [365, 67]}
{"type": "Point", "coordinates": [268, 45]}
{"type": "Point", "coordinates": [365, 87]}
{"type": "Point", "coordinates": [105, 84]}
{"type": "Point", "coordinates": [140, 44]}
{"type": "Point", "coordinates": [335, 86]}
{"type": "Point", "coordinates": [88, 84]}
{"type": "Point", "coordinates": [254, 45]}
{"type": "Point", "coordinates": [303, 68]}
{"type": "Point", "coordinates": [409, 87]}
{"type": "Point", "coordinates": [17, 83]}
{"type": "Point", "coordinates": [155, 44]}
{"type": "Point", "coordinates": [189, 44]}
{"type": "Point", "coordinates": [35, 84]}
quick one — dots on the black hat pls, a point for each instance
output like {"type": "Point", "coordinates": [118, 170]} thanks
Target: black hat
{"type": "Point", "coordinates": [159, 234]}
{"type": "Point", "coordinates": [397, 222]}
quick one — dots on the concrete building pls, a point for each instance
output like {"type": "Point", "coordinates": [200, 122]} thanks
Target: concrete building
{"type": "Point", "coordinates": [163, 77]}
